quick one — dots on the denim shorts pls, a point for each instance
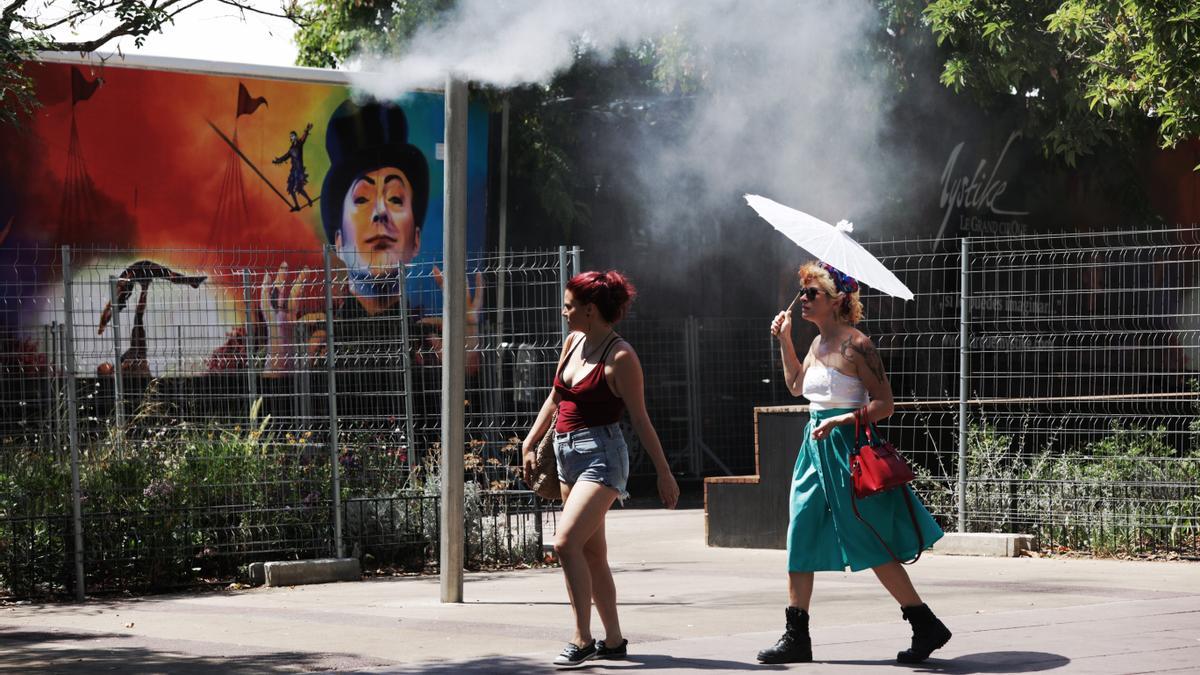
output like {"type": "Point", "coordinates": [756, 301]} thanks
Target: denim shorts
{"type": "Point", "coordinates": [596, 454]}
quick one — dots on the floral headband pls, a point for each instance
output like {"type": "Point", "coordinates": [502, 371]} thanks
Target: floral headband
{"type": "Point", "coordinates": [842, 281]}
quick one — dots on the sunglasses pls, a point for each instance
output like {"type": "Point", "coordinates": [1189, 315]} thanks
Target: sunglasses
{"type": "Point", "coordinates": [810, 293]}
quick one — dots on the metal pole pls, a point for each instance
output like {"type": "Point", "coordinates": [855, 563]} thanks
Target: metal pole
{"type": "Point", "coordinates": [562, 284]}
{"type": "Point", "coordinates": [73, 419]}
{"type": "Point", "coordinates": [964, 317]}
{"type": "Point", "coordinates": [251, 371]}
{"type": "Point", "coordinates": [502, 244]}
{"type": "Point", "coordinates": [693, 407]}
{"type": "Point", "coordinates": [454, 319]}
{"type": "Point", "coordinates": [51, 380]}
{"type": "Point", "coordinates": [331, 381]}
{"type": "Point", "coordinates": [118, 398]}
{"type": "Point", "coordinates": [406, 347]}
{"type": "Point", "coordinates": [576, 265]}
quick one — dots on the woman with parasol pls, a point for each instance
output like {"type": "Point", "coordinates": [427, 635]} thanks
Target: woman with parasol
{"type": "Point", "coordinates": [843, 378]}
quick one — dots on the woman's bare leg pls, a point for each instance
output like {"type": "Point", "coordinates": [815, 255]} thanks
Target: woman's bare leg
{"type": "Point", "coordinates": [584, 507]}
{"type": "Point", "coordinates": [604, 590]}
{"type": "Point", "coordinates": [800, 588]}
{"type": "Point", "coordinates": [895, 579]}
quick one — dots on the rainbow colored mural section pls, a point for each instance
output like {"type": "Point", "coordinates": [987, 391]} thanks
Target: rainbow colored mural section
{"type": "Point", "coordinates": [196, 172]}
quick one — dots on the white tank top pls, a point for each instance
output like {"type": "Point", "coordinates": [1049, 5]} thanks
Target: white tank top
{"type": "Point", "coordinates": [827, 388]}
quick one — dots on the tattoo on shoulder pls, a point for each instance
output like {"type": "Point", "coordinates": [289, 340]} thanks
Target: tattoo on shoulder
{"type": "Point", "coordinates": [869, 356]}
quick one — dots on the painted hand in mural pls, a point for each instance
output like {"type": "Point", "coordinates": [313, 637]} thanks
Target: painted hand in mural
{"type": "Point", "coordinates": [474, 307]}
{"type": "Point", "coordinates": [293, 305]}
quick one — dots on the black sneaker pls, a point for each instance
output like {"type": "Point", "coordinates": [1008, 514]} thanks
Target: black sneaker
{"type": "Point", "coordinates": [573, 655]}
{"type": "Point", "coordinates": [603, 651]}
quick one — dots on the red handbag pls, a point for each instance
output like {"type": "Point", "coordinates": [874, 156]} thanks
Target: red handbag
{"type": "Point", "coordinates": [878, 467]}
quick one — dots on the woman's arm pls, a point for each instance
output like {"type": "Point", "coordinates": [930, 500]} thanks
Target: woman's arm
{"type": "Point", "coordinates": [793, 366]}
{"type": "Point", "coordinates": [858, 350]}
{"type": "Point", "coordinates": [628, 383]}
{"type": "Point", "coordinates": [541, 425]}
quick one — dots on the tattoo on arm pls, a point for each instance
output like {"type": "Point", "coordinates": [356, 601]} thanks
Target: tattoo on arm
{"type": "Point", "coordinates": [870, 357]}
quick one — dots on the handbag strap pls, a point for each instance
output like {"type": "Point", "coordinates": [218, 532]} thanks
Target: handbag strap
{"type": "Point", "coordinates": [857, 432]}
{"type": "Point", "coordinates": [912, 515]}
{"type": "Point", "coordinates": [861, 425]}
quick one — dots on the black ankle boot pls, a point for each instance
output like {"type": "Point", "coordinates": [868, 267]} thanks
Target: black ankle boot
{"type": "Point", "coordinates": [795, 646]}
{"type": "Point", "coordinates": [929, 633]}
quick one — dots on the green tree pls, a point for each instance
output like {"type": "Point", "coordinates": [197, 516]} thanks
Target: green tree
{"type": "Point", "coordinates": [1092, 73]}
{"type": "Point", "coordinates": [30, 26]}
{"type": "Point", "coordinates": [337, 30]}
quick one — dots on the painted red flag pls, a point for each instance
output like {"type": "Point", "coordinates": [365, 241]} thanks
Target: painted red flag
{"type": "Point", "coordinates": [81, 89]}
{"type": "Point", "coordinates": [246, 103]}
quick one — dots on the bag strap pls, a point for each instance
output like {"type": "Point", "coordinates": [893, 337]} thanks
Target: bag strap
{"type": "Point", "coordinates": [562, 360]}
{"type": "Point", "coordinates": [912, 516]}
{"type": "Point", "coordinates": [857, 432]}
{"type": "Point", "coordinates": [611, 343]}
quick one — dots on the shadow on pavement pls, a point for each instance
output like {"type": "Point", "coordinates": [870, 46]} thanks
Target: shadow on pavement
{"type": "Point", "coordinates": [27, 651]}
{"type": "Point", "coordinates": [983, 662]}
{"type": "Point", "coordinates": [512, 665]}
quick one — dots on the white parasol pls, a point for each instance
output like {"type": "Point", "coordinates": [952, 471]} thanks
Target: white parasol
{"type": "Point", "coordinates": [830, 244]}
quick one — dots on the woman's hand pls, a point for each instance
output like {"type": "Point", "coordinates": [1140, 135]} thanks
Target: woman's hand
{"type": "Point", "coordinates": [827, 426]}
{"type": "Point", "coordinates": [668, 489]}
{"type": "Point", "coordinates": [781, 327]}
{"type": "Point", "coordinates": [528, 463]}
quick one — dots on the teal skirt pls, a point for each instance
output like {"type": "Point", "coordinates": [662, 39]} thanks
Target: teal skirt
{"type": "Point", "coordinates": [824, 534]}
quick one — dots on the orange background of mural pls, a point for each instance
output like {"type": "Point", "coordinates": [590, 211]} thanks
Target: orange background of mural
{"type": "Point", "coordinates": [160, 177]}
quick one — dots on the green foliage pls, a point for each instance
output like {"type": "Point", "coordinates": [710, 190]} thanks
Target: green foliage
{"type": "Point", "coordinates": [335, 31]}
{"type": "Point", "coordinates": [1130, 490]}
{"type": "Point", "coordinates": [162, 504]}
{"type": "Point", "coordinates": [1092, 73]}
{"type": "Point", "coordinates": [167, 503]}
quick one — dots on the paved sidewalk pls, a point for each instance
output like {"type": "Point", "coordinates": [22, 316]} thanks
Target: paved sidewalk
{"type": "Point", "coordinates": [686, 608]}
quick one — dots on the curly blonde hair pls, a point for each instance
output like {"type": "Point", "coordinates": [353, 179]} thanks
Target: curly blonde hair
{"type": "Point", "coordinates": [849, 307]}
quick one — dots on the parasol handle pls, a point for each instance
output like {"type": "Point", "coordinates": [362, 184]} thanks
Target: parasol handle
{"type": "Point", "coordinates": [793, 303]}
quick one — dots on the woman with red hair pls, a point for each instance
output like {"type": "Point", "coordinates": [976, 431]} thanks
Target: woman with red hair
{"type": "Point", "coordinates": [598, 377]}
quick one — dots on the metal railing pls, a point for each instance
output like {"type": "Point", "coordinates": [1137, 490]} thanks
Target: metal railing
{"type": "Point", "coordinates": [198, 420]}
{"type": "Point", "coordinates": [1046, 384]}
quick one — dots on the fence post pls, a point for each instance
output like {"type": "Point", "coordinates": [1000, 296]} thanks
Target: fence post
{"type": "Point", "coordinates": [697, 448]}
{"type": "Point", "coordinates": [406, 350]}
{"type": "Point", "coordinates": [562, 284]}
{"type": "Point", "coordinates": [73, 419]}
{"type": "Point", "coordinates": [695, 428]}
{"type": "Point", "coordinates": [576, 261]}
{"type": "Point", "coordinates": [53, 381]}
{"type": "Point", "coordinates": [502, 246]}
{"type": "Point", "coordinates": [331, 382]}
{"type": "Point", "coordinates": [964, 364]}
{"type": "Point", "coordinates": [118, 383]}
{"type": "Point", "coordinates": [251, 371]}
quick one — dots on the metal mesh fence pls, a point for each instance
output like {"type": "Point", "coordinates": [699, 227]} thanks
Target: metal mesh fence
{"type": "Point", "coordinates": [1072, 412]}
{"type": "Point", "coordinates": [240, 415]}
{"type": "Point", "coordinates": [1083, 387]}
{"type": "Point", "coordinates": [249, 412]}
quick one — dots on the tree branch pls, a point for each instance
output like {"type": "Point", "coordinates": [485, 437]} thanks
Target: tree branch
{"type": "Point", "coordinates": [127, 28]}
{"type": "Point", "coordinates": [290, 16]}
{"type": "Point", "coordinates": [72, 16]}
